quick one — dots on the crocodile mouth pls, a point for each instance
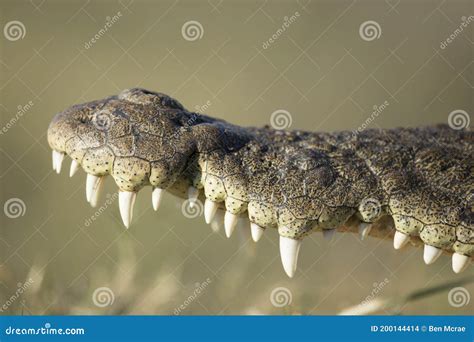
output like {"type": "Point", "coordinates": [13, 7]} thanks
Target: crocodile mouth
{"type": "Point", "coordinates": [413, 185]}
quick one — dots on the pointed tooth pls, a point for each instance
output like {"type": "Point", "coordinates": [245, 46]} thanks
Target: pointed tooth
{"type": "Point", "coordinates": [156, 196]}
{"type": "Point", "coordinates": [91, 183]}
{"type": "Point", "coordinates": [53, 158]}
{"type": "Point", "coordinates": [58, 158]}
{"type": "Point", "coordinates": [217, 221]}
{"type": "Point", "coordinates": [431, 254]}
{"type": "Point", "coordinates": [256, 231]}
{"type": "Point", "coordinates": [126, 203]}
{"type": "Point", "coordinates": [230, 221]}
{"type": "Point", "coordinates": [364, 230]}
{"type": "Point", "coordinates": [400, 239]}
{"type": "Point", "coordinates": [460, 262]}
{"type": "Point", "coordinates": [96, 191]}
{"type": "Point", "coordinates": [328, 234]}
{"type": "Point", "coordinates": [289, 249]}
{"type": "Point", "coordinates": [74, 168]}
{"type": "Point", "coordinates": [210, 208]}
{"type": "Point", "coordinates": [193, 194]}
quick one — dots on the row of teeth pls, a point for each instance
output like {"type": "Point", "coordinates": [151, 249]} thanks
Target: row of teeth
{"type": "Point", "coordinates": [289, 248]}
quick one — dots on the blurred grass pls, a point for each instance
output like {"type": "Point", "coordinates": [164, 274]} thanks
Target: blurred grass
{"type": "Point", "coordinates": [153, 267]}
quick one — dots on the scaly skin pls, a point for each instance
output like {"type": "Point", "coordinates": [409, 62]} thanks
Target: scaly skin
{"type": "Point", "coordinates": [295, 181]}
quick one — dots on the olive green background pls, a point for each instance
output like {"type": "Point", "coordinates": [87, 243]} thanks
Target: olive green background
{"type": "Point", "coordinates": [320, 70]}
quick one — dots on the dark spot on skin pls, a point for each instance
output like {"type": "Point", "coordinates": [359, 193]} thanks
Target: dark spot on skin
{"type": "Point", "coordinates": [343, 167]}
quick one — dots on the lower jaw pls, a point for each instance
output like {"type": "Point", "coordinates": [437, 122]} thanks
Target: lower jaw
{"type": "Point", "coordinates": [381, 229]}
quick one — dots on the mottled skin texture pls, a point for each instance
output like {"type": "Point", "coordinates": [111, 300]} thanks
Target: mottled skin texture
{"type": "Point", "coordinates": [296, 181]}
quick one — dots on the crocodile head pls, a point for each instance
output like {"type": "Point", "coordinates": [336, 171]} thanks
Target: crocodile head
{"type": "Point", "coordinates": [412, 185]}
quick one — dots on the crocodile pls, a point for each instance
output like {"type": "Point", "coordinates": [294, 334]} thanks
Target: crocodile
{"type": "Point", "coordinates": [407, 184]}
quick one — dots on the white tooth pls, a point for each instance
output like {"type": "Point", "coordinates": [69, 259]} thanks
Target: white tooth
{"type": "Point", "coordinates": [156, 196]}
{"type": "Point", "coordinates": [430, 254]}
{"type": "Point", "coordinates": [400, 239]}
{"type": "Point", "coordinates": [210, 208]}
{"type": "Point", "coordinates": [91, 183]}
{"type": "Point", "coordinates": [53, 155]}
{"type": "Point", "coordinates": [364, 230]}
{"type": "Point", "coordinates": [230, 221]}
{"type": "Point", "coordinates": [217, 221]}
{"type": "Point", "coordinates": [58, 158]}
{"type": "Point", "coordinates": [460, 262]}
{"type": "Point", "coordinates": [74, 168]}
{"type": "Point", "coordinates": [193, 194]}
{"type": "Point", "coordinates": [289, 249]}
{"type": "Point", "coordinates": [96, 191]}
{"type": "Point", "coordinates": [256, 231]}
{"type": "Point", "coordinates": [126, 203]}
{"type": "Point", "coordinates": [328, 234]}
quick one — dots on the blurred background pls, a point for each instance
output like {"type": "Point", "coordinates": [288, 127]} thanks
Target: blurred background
{"type": "Point", "coordinates": [330, 64]}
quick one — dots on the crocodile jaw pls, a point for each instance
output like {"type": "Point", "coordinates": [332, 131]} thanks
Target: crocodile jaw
{"type": "Point", "coordinates": [297, 182]}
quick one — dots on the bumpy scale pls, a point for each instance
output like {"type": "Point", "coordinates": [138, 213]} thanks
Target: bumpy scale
{"type": "Point", "coordinates": [412, 184]}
